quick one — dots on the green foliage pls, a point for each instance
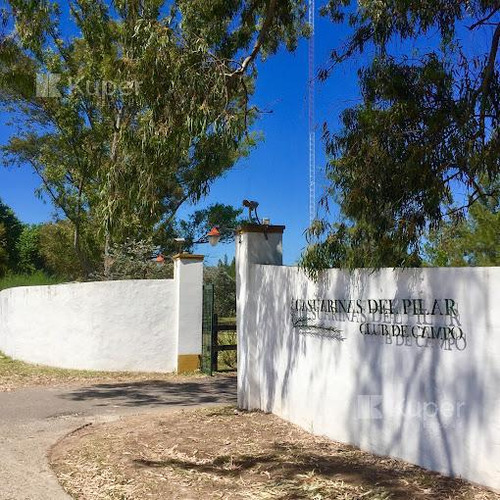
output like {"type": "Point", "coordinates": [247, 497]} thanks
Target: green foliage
{"type": "Point", "coordinates": [153, 102]}
{"type": "Point", "coordinates": [12, 229]}
{"type": "Point", "coordinates": [228, 360]}
{"type": "Point", "coordinates": [4, 256]}
{"type": "Point", "coordinates": [59, 254]}
{"type": "Point", "coordinates": [425, 134]}
{"type": "Point", "coordinates": [230, 267]}
{"type": "Point", "coordinates": [136, 260]}
{"type": "Point", "coordinates": [31, 279]}
{"type": "Point", "coordinates": [28, 249]}
{"type": "Point", "coordinates": [473, 241]}
{"type": "Point", "coordinates": [224, 288]}
{"type": "Point", "coordinates": [196, 227]}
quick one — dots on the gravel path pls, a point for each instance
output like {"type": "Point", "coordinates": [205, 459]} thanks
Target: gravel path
{"type": "Point", "coordinates": [32, 420]}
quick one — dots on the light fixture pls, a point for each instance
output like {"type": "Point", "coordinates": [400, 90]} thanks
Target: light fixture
{"type": "Point", "coordinates": [180, 242]}
{"type": "Point", "coordinates": [214, 236]}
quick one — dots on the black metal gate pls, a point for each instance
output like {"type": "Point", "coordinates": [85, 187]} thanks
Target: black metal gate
{"type": "Point", "coordinates": [207, 332]}
{"type": "Point", "coordinates": [210, 333]}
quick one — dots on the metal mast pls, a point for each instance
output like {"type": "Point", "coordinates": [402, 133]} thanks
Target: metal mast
{"type": "Point", "coordinates": [312, 132]}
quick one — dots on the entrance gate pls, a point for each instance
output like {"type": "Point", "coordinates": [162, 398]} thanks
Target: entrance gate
{"type": "Point", "coordinates": [211, 327]}
{"type": "Point", "coordinates": [207, 329]}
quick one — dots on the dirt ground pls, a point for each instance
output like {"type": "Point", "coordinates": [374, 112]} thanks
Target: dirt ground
{"type": "Point", "coordinates": [33, 419]}
{"type": "Point", "coordinates": [222, 453]}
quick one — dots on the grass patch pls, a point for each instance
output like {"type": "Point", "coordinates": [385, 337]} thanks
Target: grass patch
{"type": "Point", "coordinates": [18, 374]}
{"type": "Point", "coordinates": [227, 360]}
{"type": "Point", "coordinates": [227, 321]}
{"type": "Point", "coordinates": [34, 279]}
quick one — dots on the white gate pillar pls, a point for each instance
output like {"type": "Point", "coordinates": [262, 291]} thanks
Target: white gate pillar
{"type": "Point", "coordinates": [188, 275]}
{"type": "Point", "coordinates": [255, 244]}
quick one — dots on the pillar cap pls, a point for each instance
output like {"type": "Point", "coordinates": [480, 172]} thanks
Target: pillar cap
{"type": "Point", "coordinates": [260, 228]}
{"type": "Point", "coordinates": [188, 256]}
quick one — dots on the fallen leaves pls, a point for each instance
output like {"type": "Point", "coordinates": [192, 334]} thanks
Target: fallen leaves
{"type": "Point", "coordinates": [217, 454]}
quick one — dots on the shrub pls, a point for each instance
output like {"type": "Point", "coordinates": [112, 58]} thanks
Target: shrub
{"type": "Point", "coordinates": [136, 260]}
{"type": "Point", "coordinates": [32, 279]}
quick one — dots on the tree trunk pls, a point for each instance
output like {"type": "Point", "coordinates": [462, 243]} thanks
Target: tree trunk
{"type": "Point", "coordinates": [107, 256]}
{"type": "Point", "coordinates": [80, 254]}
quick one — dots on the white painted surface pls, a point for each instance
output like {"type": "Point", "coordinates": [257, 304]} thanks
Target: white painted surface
{"type": "Point", "coordinates": [133, 325]}
{"type": "Point", "coordinates": [189, 285]}
{"type": "Point", "coordinates": [251, 248]}
{"type": "Point", "coordinates": [433, 405]}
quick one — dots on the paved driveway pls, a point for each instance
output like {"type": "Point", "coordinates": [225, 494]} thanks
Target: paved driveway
{"type": "Point", "coordinates": [32, 420]}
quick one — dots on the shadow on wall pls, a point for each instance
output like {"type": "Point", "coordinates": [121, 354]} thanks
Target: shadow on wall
{"type": "Point", "coordinates": [443, 409]}
{"type": "Point", "coordinates": [279, 350]}
{"type": "Point", "coordinates": [430, 405]}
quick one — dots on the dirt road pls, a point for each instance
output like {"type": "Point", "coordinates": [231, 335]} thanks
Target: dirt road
{"type": "Point", "coordinates": [32, 420]}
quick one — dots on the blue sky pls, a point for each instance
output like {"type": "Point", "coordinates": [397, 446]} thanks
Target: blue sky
{"type": "Point", "coordinates": [276, 173]}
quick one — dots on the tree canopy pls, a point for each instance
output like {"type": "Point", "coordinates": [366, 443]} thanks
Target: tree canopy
{"type": "Point", "coordinates": [137, 105]}
{"type": "Point", "coordinates": [225, 217]}
{"type": "Point", "coordinates": [470, 241]}
{"type": "Point", "coordinates": [4, 258]}
{"type": "Point", "coordinates": [422, 146]}
{"type": "Point", "coordinates": [10, 231]}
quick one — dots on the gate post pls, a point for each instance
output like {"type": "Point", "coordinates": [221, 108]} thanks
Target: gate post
{"type": "Point", "coordinates": [255, 244]}
{"type": "Point", "coordinates": [188, 275]}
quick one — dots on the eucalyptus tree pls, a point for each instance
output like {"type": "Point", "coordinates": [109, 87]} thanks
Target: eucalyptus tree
{"type": "Point", "coordinates": [470, 241]}
{"type": "Point", "coordinates": [10, 231]}
{"type": "Point", "coordinates": [139, 105]}
{"type": "Point", "coordinates": [225, 217]}
{"type": "Point", "coordinates": [422, 146]}
{"type": "Point", "coordinates": [4, 256]}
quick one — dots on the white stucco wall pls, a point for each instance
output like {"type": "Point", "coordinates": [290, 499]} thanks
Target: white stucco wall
{"type": "Point", "coordinates": [114, 325]}
{"type": "Point", "coordinates": [189, 289]}
{"type": "Point", "coordinates": [431, 402]}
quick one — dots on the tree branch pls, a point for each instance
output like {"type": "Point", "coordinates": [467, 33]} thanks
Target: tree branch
{"type": "Point", "coordinates": [487, 77]}
{"type": "Point", "coordinates": [176, 208]}
{"type": "Point", "coordinates": [271, 8]}
{"type": "Point", "coordinates": [482, 21]}
{"type": "Point", "coordinates": [49, 190]}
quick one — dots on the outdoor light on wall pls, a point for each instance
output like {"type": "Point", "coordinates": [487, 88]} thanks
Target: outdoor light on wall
{"type": "Point", "coordinates": [213, 236]}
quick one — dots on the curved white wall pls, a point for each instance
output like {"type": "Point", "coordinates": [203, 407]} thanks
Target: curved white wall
{"type": "Point", "coordinates": [113, 325]}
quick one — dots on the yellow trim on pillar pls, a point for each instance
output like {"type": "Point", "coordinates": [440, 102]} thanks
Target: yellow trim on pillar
{"type": "Point", "coordinates": [188, 363]}
{"type": "Point", "coordinates": [188, 256]}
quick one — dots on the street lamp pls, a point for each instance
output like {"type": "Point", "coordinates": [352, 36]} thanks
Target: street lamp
{"type": "Point", "coordinates": [214, 236]}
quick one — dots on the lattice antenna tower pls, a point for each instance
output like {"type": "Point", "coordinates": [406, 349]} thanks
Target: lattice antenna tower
{"type": "Point", "coordinates": [312, 126]}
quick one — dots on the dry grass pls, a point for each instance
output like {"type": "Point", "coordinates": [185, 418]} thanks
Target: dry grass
{"type": "Point", "coordinates": [227, 360]}
{"type": "Point", "coordinates": [17, 374]}
{"type": "Point", "coordinates": [226, 454]}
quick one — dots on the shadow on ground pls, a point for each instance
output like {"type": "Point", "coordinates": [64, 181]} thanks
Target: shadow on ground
{"type": "Point", "coordinates": [398, 480]}
{"type": "Point", "coordinates": [220, 389]}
